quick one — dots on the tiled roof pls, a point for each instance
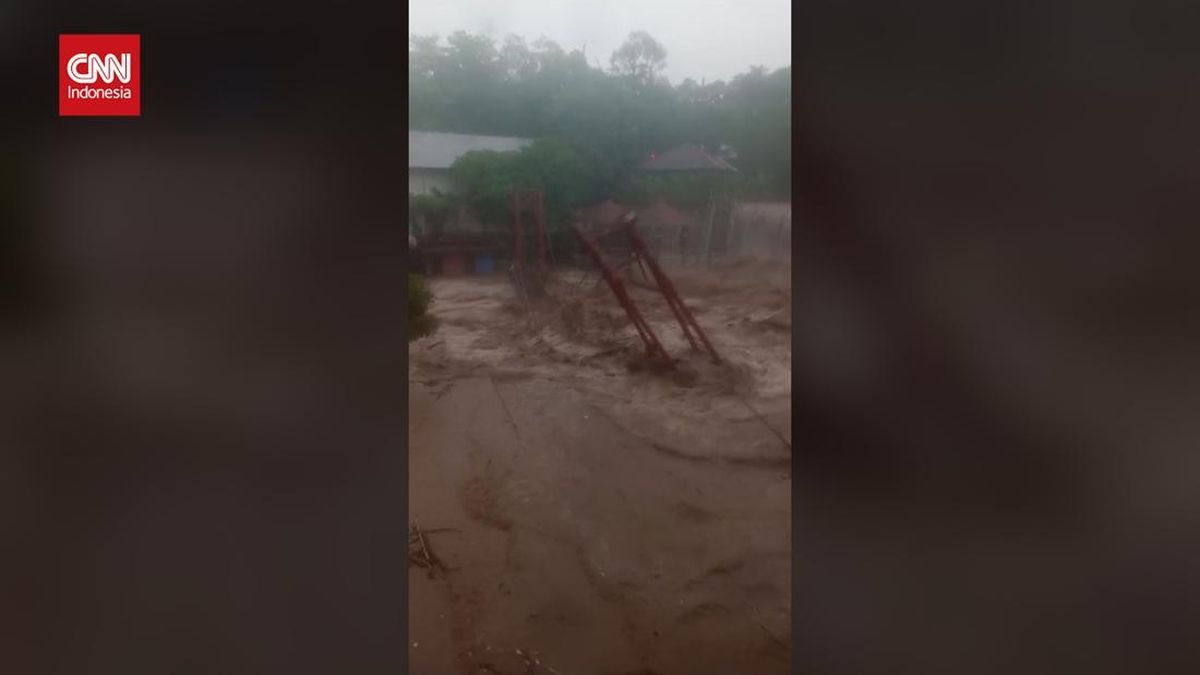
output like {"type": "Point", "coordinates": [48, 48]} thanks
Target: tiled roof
{"type": "Point", "coordinates": [688, 157]}
{"type": "Point", "coordinates": [436, 150]}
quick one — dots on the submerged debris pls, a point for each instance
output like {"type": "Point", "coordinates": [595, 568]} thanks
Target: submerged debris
{"type": "Point", "coordinates": [497, 661]}
{"type": "Point", "coordinates": [420, 553]}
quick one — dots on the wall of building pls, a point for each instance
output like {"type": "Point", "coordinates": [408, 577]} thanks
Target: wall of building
{"type": "Point", "coordinates": [424, 181]}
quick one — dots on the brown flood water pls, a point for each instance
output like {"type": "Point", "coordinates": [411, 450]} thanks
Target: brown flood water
{"type": "Point", "coordinates": [595, 519]}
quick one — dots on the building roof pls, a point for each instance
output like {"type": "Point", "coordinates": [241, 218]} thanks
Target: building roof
{"type": "Point", "coordinates": [688, 157]}
{"type": "Point", "coordinates": [437, 150]}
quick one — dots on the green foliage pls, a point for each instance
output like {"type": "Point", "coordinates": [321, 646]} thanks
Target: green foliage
{"type": "Point", "coordinates": [565, 173]}
{"type": "Point", "coordinates": [567, 176]}
{"type": "Point", "coordinates": [420, 321]}
{"type": "Point", "coordinates": [758, 116]}
{"type": "Point", "coordinates": [486, 180]}
{"type": "Point", "coordinates": [431, 210]}
{"type": "Point", "coordinates": [641, 58]}
{"type": "Point", "coordinates": [611, 120]}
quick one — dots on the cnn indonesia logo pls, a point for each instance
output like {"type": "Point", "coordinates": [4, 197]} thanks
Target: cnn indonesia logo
{"type": "Point", "coordinates": [99, 75]}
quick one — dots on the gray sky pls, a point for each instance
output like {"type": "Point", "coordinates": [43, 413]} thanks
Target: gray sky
{"type": "Point", "coordinates": [713, 39]}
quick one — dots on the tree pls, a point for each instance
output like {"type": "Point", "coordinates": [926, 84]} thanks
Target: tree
{"type": "Point", "coordinates": [486, 180]}
{"type": "Point", "coordinates": [610, 119]}
{"type": "Point", "coordinates": [431, 211]}
{"type": "Point", "coordinates": [426, 100]}
{"type": "Point", "coordinates": [641, 58]}
{"type": "Point", "coordinates": [566, 175]}
{"type": "Point", "coordinates": [517, 61]}
{"type": "Point", "coordinates": [756, 113]}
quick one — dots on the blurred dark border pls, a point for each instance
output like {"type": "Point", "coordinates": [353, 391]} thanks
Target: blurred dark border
{"type": "Point", "coordinates": [996, 240]}
{"type": "Point", "coordinates": [204, 424]}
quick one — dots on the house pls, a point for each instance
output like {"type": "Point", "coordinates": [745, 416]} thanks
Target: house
{"type": "Point", "coordinates": [691, 159]}
{"type": "Point", "coordinates": [431, 153]}
{"type": "Point", "coordinates": [688, 158]}
{"type": "Point", "coordinates": [460, 245]}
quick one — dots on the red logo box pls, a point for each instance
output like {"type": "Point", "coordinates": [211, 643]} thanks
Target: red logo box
{"type": "Point", "coordinates": [99, 75]}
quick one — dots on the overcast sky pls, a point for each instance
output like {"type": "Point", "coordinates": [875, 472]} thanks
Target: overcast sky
{"type": "Point", "coordinates": [712, 39]}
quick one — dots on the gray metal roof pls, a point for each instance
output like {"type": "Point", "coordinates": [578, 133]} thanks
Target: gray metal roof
{"type": "Point", "coordinates": [688, 157]}
{"type": "Point", "coordinates": [436, 150]}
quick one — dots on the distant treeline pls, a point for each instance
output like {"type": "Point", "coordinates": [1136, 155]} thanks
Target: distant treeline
{"type": "Point", "coordinates": [609, 118]}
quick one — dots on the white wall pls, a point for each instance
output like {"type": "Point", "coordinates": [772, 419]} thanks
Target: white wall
{"type": "Point", "coordinates": [423, 181]}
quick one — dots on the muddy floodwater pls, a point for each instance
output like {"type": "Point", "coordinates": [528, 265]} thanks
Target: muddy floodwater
{"type": "Point", "coordinates": [585, 512]}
